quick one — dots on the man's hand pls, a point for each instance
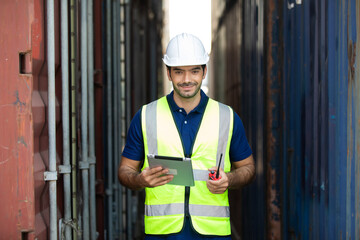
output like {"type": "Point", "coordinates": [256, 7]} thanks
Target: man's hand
{"type": "Point", "coordinates": [129, 175]}
{"type": "Point", "coordinates": [242, 173]}
{"type": "Point", "coordinates": [218, 186]}
{"type": "Point", "coordinates": [153, 177]}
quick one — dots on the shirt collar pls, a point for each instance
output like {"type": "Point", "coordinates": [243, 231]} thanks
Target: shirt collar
{"type": "Point", "coordinates": [200, 108]}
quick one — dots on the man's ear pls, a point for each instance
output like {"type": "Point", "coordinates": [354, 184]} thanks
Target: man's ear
{"type": "Point", "coordinates": [168, 73]}
{"type": "Point", "coordinates": [205, 71]}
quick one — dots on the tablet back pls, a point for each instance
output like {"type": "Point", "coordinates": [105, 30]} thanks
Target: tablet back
{"type": "Point", "coordinates": [181, 168]}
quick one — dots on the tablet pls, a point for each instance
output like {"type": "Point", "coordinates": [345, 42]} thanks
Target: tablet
{"type": "Point", "coordinates": [181, 168]}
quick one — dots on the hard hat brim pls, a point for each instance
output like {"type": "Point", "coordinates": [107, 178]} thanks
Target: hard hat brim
{"type": "Point", "coordinates": [176, 62]}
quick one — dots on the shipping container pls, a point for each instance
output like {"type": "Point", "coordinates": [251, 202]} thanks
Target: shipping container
{"type": "Point", "coordinates": [71, 74]}
{"type": "Point", "coordinates": [296, 87]}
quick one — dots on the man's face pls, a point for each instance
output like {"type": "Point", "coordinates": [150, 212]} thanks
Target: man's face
{"type": "Point", "coordinates": [187, 80]}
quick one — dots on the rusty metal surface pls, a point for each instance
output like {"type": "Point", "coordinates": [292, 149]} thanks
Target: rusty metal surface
{"type": "Point", "coordinates": [16, 132]}
{"type": "Point", "coordinates": [273, 76]}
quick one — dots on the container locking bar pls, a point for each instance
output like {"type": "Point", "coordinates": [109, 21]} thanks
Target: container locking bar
{"type": "Point", "coordinates": [50, 176]}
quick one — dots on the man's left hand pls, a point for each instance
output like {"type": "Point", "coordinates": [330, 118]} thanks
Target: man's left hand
{"type": "Point", "coordinates": [220, 185]}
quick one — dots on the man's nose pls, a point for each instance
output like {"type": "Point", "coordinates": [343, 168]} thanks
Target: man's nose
{"type": "Point", "coordinates": [187, 76]}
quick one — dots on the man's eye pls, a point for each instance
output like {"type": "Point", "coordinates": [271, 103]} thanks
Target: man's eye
{"type": "Point", "coordinates": [178, 72]}
{"type": "Point", "coordinates": [196, 72]}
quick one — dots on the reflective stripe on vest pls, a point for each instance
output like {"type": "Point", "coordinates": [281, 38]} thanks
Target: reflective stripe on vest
{"type": "Point", "coordinates": [164, 205]}
{"type": "Point", "coordinates": [151, 127]}
{"type": "Point", "coordinates": [178, 208]}
{"type": "Point", "coordinates": [164, 209]}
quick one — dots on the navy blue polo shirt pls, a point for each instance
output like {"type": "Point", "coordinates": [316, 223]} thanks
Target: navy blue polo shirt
{"type": "Point", "coordinates": [188, 125]}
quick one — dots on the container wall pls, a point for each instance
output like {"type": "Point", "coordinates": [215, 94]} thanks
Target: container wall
{"type": "Point", "coordinates": [320, 164]}
{"type": "Point", "coordinates": [236, 78]}
{"type": "Point", "coordinates": [298, 97]}
{"type": "Point", "coordinates": [17, 199]}
{"type": "Point", "coordinates": [135, 44]}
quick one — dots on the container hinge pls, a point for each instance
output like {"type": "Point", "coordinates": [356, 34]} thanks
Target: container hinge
{"type": "Point", "coordinates": [83, 165]}
{"type": "Point", "coordinates": [62, 225]}
{"type": "Point", "coordinates": [50, 176]}
{"type": "Point", "coordinates": [63, 169]}
{"type": "Point", "coordinates": [92, 160]}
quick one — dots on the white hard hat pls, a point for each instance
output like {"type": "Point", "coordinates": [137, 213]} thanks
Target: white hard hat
{"type": "Point", "coordinates": [185, 50]}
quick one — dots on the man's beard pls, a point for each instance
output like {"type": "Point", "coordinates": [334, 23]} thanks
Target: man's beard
{"type": "Point", "coordinates": [187, 95]}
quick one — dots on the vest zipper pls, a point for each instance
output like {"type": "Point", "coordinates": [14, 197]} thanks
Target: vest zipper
{"type": "Point", "coordinates": [187, 196]}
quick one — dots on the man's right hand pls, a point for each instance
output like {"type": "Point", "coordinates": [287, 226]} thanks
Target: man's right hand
{"type": "Point", "coordinates": [130, 177]}
{"type": "Point", "coordinates": [154, 177]}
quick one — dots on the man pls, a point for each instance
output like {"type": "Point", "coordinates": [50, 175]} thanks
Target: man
{"type": "Point", "coordinates": [186, 123]}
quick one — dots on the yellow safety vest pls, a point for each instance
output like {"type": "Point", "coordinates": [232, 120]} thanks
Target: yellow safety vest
{"type": "Point", "coordinates": [165, 205]}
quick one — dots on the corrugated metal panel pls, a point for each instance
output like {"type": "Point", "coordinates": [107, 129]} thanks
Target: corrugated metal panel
{"type": "Point", "coordinates": [237, 73]}
{"type": "Point", "coordinates": [318, 137]}
{"type": "Point", "coordinates": [250, 108]}
{"type": "Point", "coordinates": [301, 98]}
{"type": "Point", "coordinates": [16, 131]}
{"type": "Point", "coordinates": [319, 196]}
{"type": "Point", "coordinates": [311, 128]}
{"type": "Point", "coordinates": [344, 115]}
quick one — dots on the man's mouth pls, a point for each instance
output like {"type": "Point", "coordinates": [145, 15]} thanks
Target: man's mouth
{"type": "Point", "coordinates": [187, 85]}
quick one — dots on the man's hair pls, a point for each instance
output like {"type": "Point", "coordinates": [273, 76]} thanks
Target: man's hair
{"type": "Point", "coordinates": [203, 67]}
